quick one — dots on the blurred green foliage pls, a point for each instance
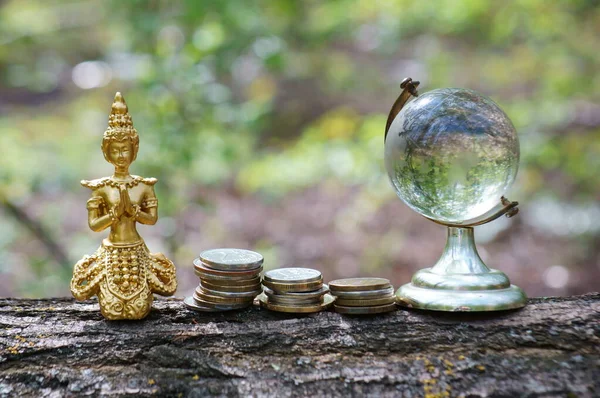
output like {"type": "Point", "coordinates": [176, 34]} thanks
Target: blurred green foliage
{"type": "Point", "coordinates": [268, 98]}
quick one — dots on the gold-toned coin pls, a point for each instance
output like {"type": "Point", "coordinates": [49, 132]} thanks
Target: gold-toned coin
{"type": "Point", "coordinates": [293, 287]}
{"type": "Point", "coordinates": [231, 259]}
{"type": "Point", "coordinates": [221, 306]}
{"type": "Point", "coordinates": [364, 310]}
{"type": "Point", "coordinates": [202, 268]}
{"type": "Point", "coordinates": [200, 293]}
{"type": "Point", "coordinates": [278, 299]}
{"type": "Point", "coordinates": [302, 295]}
{"type": "Point", "coordinates": [191, 304]}
{"type": "Point", "coordinates": [359, 284]}
{"type": "Point", "coordinates": [220, 293]}
{"type": "Point", "coordinates": [293, 275]}
{"type": "Point", "coordinates": [362, 295]}
{"type": "Point", "coordinates": [235, 288]}
{"type": "Point", "coordinates": [366, 302]}
{"type": "Point", "coordinates": [328, 300]}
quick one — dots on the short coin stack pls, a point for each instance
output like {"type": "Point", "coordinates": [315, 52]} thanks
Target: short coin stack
{"type": "Point", "coordinates": [229, 280]}
{"type": "Point", "coordinates": [358, 296]}
{"type": "Point", "coordinates": [297, 290]}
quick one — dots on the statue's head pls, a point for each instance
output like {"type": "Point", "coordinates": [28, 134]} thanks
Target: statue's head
{"type": "Point", "coordinates": [121, 141]}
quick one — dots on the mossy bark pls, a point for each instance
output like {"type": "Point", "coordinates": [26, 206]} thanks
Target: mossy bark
{"type": "Point", "coordinates": [57, 347]}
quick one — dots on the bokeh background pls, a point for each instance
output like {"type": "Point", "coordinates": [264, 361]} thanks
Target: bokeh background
{"type": "Point", "coordinates": [264, 120]}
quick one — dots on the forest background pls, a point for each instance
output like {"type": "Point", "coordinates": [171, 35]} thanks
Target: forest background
{"type": "Point", "coordinates": [263, 122]}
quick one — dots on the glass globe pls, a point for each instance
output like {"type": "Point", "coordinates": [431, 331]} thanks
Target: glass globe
{"type": "Point", "coordinates": [451, 154]}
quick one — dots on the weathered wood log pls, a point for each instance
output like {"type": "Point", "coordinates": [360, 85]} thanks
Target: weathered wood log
{"type": "Point", "coordinates": [57, 347]}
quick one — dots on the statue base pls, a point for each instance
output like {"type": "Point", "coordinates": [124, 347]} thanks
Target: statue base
{"type": "Point", "coordinates": [460, 281]}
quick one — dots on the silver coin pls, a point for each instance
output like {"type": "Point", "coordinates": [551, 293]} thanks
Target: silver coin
{"type": "Point", "coordinates": [301, 295]}
{"type": "Point", "coordinates": [220, 293]}
{"type": "Point", "coordinates": [365, 294]}
{"type": "Point", "coordinates": [291, 275]}
{"type": "Point", "coordinates": [231, 259]}
{"type": "Point", "coordinates": [359, 284]}
{"type": "Point", "coordinates": [191, 304]}
{"type": "Point", "coordinates": [199, 266]}
{"type": "Point", "coordinates": [243, 280]}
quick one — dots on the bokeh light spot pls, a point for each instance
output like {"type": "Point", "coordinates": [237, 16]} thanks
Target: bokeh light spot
{"type": "Point", "coordinates": [91, 74]}
{"type": "Point", "coordinates": [556, 277]}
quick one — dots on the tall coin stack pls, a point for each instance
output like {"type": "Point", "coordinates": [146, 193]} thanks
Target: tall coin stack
{"type": "Point", "coordinates": [359, 296]}
{"type": "Point", "coordinates": [229, 280]}
{"type": "Point", "coordinates": [298, 290]}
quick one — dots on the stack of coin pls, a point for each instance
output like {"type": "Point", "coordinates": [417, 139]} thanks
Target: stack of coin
{"type": "Point", "coordinates": [363, 295]}
{"type": "Point", "coordinates": [229, 280]}
{"type": "Point", "coordinates": [299, 290]}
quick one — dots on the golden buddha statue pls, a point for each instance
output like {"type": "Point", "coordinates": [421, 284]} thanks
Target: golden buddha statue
{"type": "Point", "coordinates": [122, 273]}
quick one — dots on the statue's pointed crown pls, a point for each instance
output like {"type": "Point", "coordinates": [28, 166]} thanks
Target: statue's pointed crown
{"type": "Point", "coordinates": [120, 125]}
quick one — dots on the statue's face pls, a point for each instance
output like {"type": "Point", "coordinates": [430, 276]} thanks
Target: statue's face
{"type": "Point", "coordinates": [120, 154]}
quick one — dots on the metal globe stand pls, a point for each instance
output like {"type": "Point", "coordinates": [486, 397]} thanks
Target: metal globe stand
{"type": "Point", "coordinates": [459, 281]}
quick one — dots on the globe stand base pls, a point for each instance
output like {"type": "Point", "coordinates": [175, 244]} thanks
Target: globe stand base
{"type": "Point", "coordinates": [461, 300]}
{"type": "Point", "coordinates": [460, 281]}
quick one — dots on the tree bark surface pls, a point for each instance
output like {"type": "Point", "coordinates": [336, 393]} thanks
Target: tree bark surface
{"type": "Point", "coordinates": [58, 347]}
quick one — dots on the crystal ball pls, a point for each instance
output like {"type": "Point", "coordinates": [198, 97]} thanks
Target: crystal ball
{"type": "Point", "coordinates": [451, 154]}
